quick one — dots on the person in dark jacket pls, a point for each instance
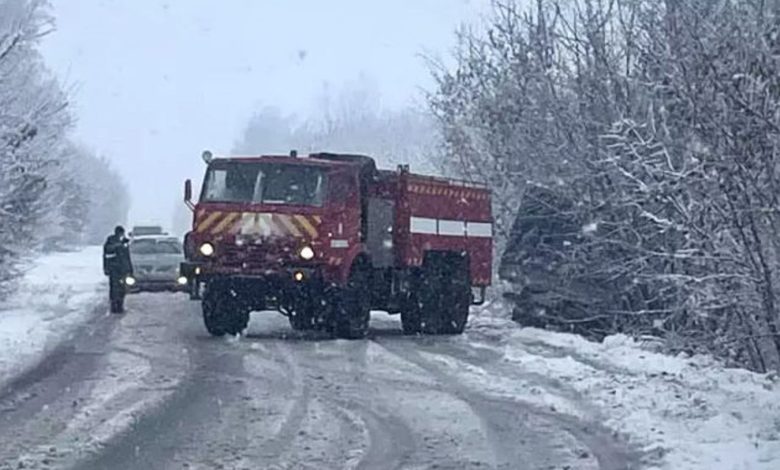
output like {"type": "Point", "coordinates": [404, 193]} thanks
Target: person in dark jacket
{"type": "Point", "coordinates": [117, 266]}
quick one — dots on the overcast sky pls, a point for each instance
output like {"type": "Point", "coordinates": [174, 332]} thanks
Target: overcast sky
{"type": "Point", "coordinates": [156, 82]}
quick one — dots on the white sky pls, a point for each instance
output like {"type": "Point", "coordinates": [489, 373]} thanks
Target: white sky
{"type": "Point", "coordinates": [156, 82]}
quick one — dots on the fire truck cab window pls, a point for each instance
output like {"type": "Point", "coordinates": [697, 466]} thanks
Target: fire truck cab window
{"type": "Point", "coordinates": [265, 183]}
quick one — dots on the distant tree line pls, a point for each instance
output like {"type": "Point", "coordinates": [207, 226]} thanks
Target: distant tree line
{"type": "Point", "coordinates": [347, 120]}
{"type": "Point", "coordinates": [54, 194]}
{"type": "Point", "coordinates": [634, 151]}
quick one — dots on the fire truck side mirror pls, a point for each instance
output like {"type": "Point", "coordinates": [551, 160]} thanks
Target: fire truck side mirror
{"type": "Point", "coordinates": [188, 191]}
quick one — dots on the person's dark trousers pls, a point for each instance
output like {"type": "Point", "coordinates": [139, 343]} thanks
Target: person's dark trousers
{"type": "Point", "coordinates": [116, 294]}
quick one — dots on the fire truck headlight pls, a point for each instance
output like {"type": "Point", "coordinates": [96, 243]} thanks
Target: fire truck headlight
{"type": "Point", "coordinates": [181, 280]}
{"type": "Point", "coordinates": [130, 281]}
{"type": "Point", "coordinates": [306, 253]}
{"type": "Point", "coordinates": [206, 249]}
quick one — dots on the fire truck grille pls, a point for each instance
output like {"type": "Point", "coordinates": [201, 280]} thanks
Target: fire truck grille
{"type": "Point", "coordinates": [253, 257]}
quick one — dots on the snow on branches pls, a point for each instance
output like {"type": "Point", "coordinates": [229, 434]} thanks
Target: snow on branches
{"type": "Point", "coordinates": [659, 120]}
{"type": "Point", "coordinates": [45, 196]}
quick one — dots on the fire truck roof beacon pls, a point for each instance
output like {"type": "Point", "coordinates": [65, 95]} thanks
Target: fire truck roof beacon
{"type": "Point", "coordinates": [293, 153]}
{"type": "Point", "coordinates": [207, 156]}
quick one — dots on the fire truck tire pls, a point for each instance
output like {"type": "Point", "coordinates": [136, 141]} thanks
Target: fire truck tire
{"type": "Point", "coordinates": [441, 297]}
{"type": "Point", "coordinates": [430, 298]}
{"type": "Point", "coordinates": [456, 299]}
{"type": "Point", "coordinates": [239, 320]}
{"type": "Point", "coordinates": [223, 313]}
{"type": "Point", "coordinates": [410, 316]}
{"type": "Point", "coordinates": [215, 325]}
{"type": "Point", "coordinates": [353, 306]}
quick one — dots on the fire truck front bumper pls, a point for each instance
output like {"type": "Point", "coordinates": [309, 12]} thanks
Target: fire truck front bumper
{"type": "Point", "coordinates": [262, 289]}
{"type": "Point", "coordinates": [203, 272]}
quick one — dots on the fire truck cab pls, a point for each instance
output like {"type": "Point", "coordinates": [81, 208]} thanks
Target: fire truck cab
{"type": "Point", "coordinates": [327, 238]}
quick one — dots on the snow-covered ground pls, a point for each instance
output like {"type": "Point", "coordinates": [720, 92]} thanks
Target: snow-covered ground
{"type": "Point", "coordinates": [59, 292]}
{"type": "Point", "coordinates": [679, 412]}
{"type": "Point", "coordinates": [683, 412]}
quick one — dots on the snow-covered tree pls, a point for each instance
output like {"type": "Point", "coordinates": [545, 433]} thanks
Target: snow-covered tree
{"type": "Point", "coordinates": [658, 123]}
{"type": "Point", "coordinates": [53, 194]}
{"type": "Point", "coordinates": [33, 122]}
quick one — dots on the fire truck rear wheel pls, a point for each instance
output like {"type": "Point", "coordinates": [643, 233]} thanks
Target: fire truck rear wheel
{"type": "Point", "coordinates": [442, 295]}
{"type": "Point", "coordinates": [430, 301]}
{"type": "Point", "coordinates": [410, 316]}
{"type": "Point", "coordinates": [353, 306]}
{"type": "Point", "coordinates": [456, 298]}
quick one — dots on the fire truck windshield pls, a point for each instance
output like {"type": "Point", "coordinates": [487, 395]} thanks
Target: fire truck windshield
{"type": "Point", "coordinates": [266, 183]}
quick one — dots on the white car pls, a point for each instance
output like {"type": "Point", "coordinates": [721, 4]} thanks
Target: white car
{"type": "Point", "coordinates": [156, 260]}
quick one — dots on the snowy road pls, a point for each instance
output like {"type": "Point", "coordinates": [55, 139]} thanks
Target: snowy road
{"type": "Point", "coordinates": [151, 390]}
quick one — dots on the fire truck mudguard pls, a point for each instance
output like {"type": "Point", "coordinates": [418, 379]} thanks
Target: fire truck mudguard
{"type": "Point", "coordinates": [325, 239]}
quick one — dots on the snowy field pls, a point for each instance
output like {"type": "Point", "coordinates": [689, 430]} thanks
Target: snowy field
{"type": "Point", "coordinates": [677, 412]}
{"type": "Point", "coordinates": [59, 292]}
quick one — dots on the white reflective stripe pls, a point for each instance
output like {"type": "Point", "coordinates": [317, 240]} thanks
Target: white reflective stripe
{"type": "Point", "coordinates": [110, 255]}
{"type": "Point", "coordinates": [339, 244]}
{"type": "Point", "coordinates": [452, 227]}
{"type": "Point", "coordinates": [248, 226]}
{"type": "Point", "coordinates": [265, 225]}
{"type": "Point", "coordinates": [458, 228]}
{"type": "Point", "coordinates": [422, 225]}
{"type": "Point", "coordinates": [479, 229]}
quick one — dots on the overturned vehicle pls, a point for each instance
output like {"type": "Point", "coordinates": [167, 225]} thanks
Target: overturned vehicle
{"type": "Point", "coordinates": [565, 272]}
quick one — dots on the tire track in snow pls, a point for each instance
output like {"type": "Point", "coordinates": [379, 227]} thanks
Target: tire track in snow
{"type": "Point", "coordinates": [350, 440]}
{"type": "Point", "coordinates": [270, 446]}
{"type": "Point", "coordinates": [368, 438]}
{"type": "Point", "coordinates": [37, 405]}
{"type": "Point", "coordinates": [502, 416]}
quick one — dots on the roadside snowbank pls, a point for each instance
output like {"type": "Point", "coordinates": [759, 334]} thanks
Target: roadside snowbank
{"type": "Point", "coordinates": [58, 293]}
{"type": "Point", "coordinates": [684, 412]}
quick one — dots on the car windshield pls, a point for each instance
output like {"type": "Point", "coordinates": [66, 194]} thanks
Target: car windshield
{"type": "Point", "coordinates": [155, 247]}
{"type": "Point", "coordinates": [267, 183]}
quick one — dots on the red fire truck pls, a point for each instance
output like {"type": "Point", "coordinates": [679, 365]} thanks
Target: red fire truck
{"type": "Point", "coordinates": [325, 239]}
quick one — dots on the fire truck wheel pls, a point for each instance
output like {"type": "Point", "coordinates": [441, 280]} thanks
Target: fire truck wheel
{"type": "Point", "coordinates": [238, 320]}
{"type": "Point", "coordinates": [211, 318]}
{"type": "Point", "coordinates": [410, 316]}
{"type": "Point", "coordinates": [223, 313]}
{"type": "Point", "coordinates": [353, 307]}
{"type": "Point", "coordinates": [430, 301]}
{"type": "Point", "coordinates": [456, 298]}
{"type": "Point", "coordinates": [441, 298]}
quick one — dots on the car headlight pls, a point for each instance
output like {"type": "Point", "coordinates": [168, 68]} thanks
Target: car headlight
{"type": "Point", "coordinates": [130, 281]}
{"type": "Point", "coordinates": [306, 253]}
{"type": "Point", "coordinates": [206, 249]}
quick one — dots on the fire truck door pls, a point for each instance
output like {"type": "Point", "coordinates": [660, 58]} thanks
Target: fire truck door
{"type": "Point", "coordinates": [381, 213]}
{"type": "Point", "coordinates": [343, 202]}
